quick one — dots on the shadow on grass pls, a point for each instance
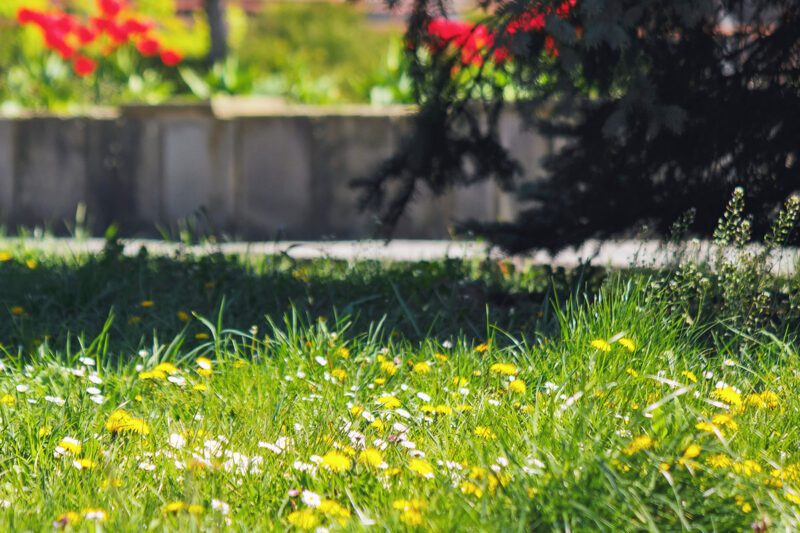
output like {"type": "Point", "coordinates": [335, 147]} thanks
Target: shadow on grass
{"type": "Point", "coordinates": [152, 297]}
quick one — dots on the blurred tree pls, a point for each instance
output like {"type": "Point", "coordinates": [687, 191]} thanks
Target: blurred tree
{"type": "Point", "coordinates": [662, 105]}
{"type": "Point", "coordinates": [218, 30]}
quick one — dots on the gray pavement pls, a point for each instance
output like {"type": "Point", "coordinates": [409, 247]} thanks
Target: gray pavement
{"type": "Point", "coordinates": [615, 254]}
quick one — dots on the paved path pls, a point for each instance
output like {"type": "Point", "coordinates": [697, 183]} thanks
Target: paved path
{"type": "Point", "coordinates": [616, 254]}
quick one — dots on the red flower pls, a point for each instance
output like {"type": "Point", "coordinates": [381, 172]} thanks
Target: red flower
{"type": "Point", "coordinates": [550, 45]}
{"type": "Point", "coordinates": [136, 27]}
{"type": "Point", "coordinates": [85, 34]}
{"type": "Point", "coordinates": [83, 66]}
{"type": "Point", "coordinates": [26, 16]}
{"type": "Point", "coordinates": [110, 8]}
{"type": "Point", "coordinates": [171, 58]}
{"type": "Point", "coordinates": [148, 47]}
{"type": "Point", "coordinates": [116, 32]}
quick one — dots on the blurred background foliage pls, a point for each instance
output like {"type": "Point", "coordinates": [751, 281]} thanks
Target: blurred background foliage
{"type": "Point", "coordinates": [315, 53]}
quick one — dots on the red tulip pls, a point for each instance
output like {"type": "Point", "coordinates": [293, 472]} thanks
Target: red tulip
{"type": "Point", "coordinates": [26, 16]}
{"type": "Point", "coordinates": [83, 66]}
{"type": "Point", "coordinates": [110, 8]}
{"type": "Point", "coordinates": [171, 58]}
{"type": "Point", "coordinates": [148, 47]}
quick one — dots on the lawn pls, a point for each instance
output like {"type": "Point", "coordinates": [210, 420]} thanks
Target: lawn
{"type": "Point", "coordinates": [191, 393]}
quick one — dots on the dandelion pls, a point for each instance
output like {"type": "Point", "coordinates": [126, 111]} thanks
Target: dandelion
{"type": "Point", "coordinates": [334, 510]}
{"type": "Point", "coordinates": [84, 464]}
{"type": "Point", "coordinates": [388, 368]}
{"type": "Point", "coordinates": [691, 452]}
{"type": "Point", "coordinates": [507, 369]}
{"type": "Point", "coordinates": [66, 519]}
{"type": "Point", "coordinates": [336, 462]}
{"type": "Point", "coordinates": [601, 345]}
{"type": "Point", "coordinates": [44, 431]}
{"type": "Point", "coordinates": [719, 461]}
{"type": "Point", "coordinates": [689, 375]}
{"type": "Point", "coordinates": [8, 400]}
{"type": "Point", "coordinates": [5, 256]}
{"type": "Point", "coordinates": [147, 304]}
{"type": "Point", "coordinates": [728, 395]}
{"type": "Point", "coordinates": [485, 433]}
{"type": "Point", "coordinates": [763, 400]}
{"type": "Point", "coordinates": [517, 386]}
{"type": "Point", "coordinates": [31, 264]}
{"type": "Point", "coordinates": [411, 517]}
{"type": "Point", "coordinates": [389, 402]}
{"type": "Point", "coordinates": [339, 373]}
{"type": "Point", "coordinates": [421, 468]}
{"type": "Point", "coordinates": [122, 422]}
{"type": "Point", "coordinates": [167, 368]}
{"type": "Point", "coordinates": [69, 444]}
{"type": "Point", "coordinates": [306, 519]}
{"type": "Point", "coordinates": [482, 348]}
{"type": "Point", "coordinates": [421, 368]}
{"type": "Point", "coordinates": [627, 343]}
{"type": "Point", "coordinates": [202, 336]}
{"type": "Point", "coordinates": [370, 457]}
{"type": "Point", "coordinates": [152, 375]}
{"type": "Point", "coordinates": [642, 442]}
{"type": "Point", "coordinates": [183, 316]}
{"type": "Point", "coordinates": [471, 489]}
{"type": "Point", "coordinates": [343, 352]}
{"type": "Point", "coordinates": [17, 310]}
{"type": "Point", "coordinates": [204, 366]}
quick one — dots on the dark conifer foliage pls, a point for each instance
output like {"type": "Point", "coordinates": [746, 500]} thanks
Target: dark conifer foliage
{"type": "Point", "coordinates": [662, 105]}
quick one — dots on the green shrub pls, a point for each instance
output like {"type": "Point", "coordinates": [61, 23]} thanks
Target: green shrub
{"type": "Point", "coordinates": [317, 53]}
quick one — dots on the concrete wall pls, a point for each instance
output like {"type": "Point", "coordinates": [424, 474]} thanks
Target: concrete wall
{"type": "Point", "coordinates": [251, 172]}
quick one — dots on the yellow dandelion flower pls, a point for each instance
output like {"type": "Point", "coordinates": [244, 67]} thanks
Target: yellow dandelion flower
{"type": "Point", "coordinates": [627, 343]}
{"type": "Point", "coordinates": [339, 373]}
{"type": "Point", "coordinates": [67, 519]}
{"type": "Point", "coordinates": [343, 352]}
{"type": "Point", "coordinates": [202, 336]}
{"type": "Point", "coordinates": [389, 402]}
{"type": "Point", "coordinates": [204, 367]}
{"type": "Point", "coordinates": [748, 467]}
{"type": "Point", "coordinates": [517, 386]}
{"type": "Point", "coordinates": [417, 504]}
{"type": "Point", "coordinates": [601, 345]}
{"type": "Point", "coordinates": [763, 400]}
{"type": "Point", "coordinates": [370, 457]}
{"type": "Point", "coordinates": [45, 431]}
{"type": "Point", "coordinates": [147, 304]}
{"type": "Point", "coordinates": [440, 357]}
{"type": "Point", "coordinates": [632, 373]}
{"type": "Point", "coordinates": [642, 442]}
{"type": "Point", "coordinates": [122, 422]}
{"type": "Point", "coordinates": [664, 467]}
{"type": "Point", "coordinates": [463, 408]}
{"type": "Point", "coordinates": [183, 316]}
{"type": "Point", "coordinates": [32, 264]}
{"type": "Point", "coordinates": [411, 517]}
{"type": "Point", "coordinates": [725, 421]}
{"type": "Point", "coordinates": [7, 400]}
{"type": "Point", "coordinates": [482, 348]}
{"type": "Point", "coordinates": [336, 511]}
{"type": "Point", "coordinates": [336, 462]}
{"type": "Point", "coordinates": [304, 519]}
{"type": "Point", "coordinates": [688, 374]}
{"type": "Point", "coordinates": [421, 368]}
{"type": "Point", "coordinates": [378, 424]}
{"type": "Point", "coordinates": [691, 452]}
{"type": "Point", "coordinates": [356, 410]}
{"type": "Point", "coordinates": [71, 445]}
{"type": "Point", "coordinates": [17, 310]}
{"type": "Point", "coordinates": [200, 387]}
{"type": "Point", "coordinates": [388, 368]}
{"type": "Point", "coordinates": [167, 368]}
{"type": "Point", "coordinates": [421, 467]}
{"type": "Point", "coordinates": [485, 433]}
{"type": "Point", "coordinates": [719, 460]}
{"type": "Point", "coordinates": [5, 256]}
{"type": "Point", "coordinates": [443, 410]}
{"type": "Point", "coordinates": [471, 489]}
{"type": "Point", "coordinates": [152, 375]}
{"type": "Point", "coordinates": [728, 395]}
{"type": "Point", "coordinates": [507, 369]}
{"type": "Point", "coordinates": [84, 464]}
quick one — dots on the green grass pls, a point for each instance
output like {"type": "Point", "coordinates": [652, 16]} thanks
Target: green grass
{"type": "Point", "coordinates": [643, 431]}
